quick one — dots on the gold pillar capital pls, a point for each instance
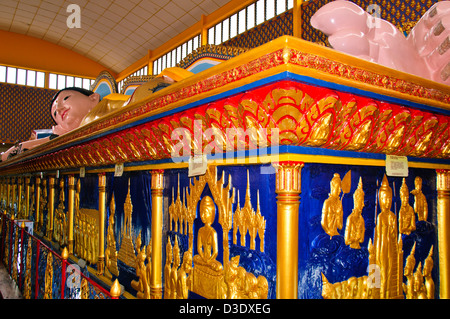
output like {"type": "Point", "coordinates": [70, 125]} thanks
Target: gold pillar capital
{"type": "Point", "coordinates": [157, 179]}
{"type": "Point", "coordinates": [443, 180]}
{"type": "Point", "coordinates": [288, 177]}
{"type": "Point", "coordinates": [288, 188]}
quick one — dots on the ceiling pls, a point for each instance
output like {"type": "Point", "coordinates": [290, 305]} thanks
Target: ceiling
{"type": "Point", "coordinates": [113, 33]}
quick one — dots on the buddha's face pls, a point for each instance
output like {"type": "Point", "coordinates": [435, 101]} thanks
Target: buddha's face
{"type": "Point", "coordinates": [418, 183]}
{"type": "Point", "coordinates": [359, 200]}
{"type": "Point", "coordinates": [69, 109]}
{"type": "Point", "coordinates": [385, 200]}
{"type": "Point", "coordinates": [335, 186]}
{"type": "Point", "coordinates": [207, 210]}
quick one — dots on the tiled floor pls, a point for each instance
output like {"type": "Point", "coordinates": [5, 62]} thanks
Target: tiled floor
{"type": "Point", "coordinates": [8, 288]}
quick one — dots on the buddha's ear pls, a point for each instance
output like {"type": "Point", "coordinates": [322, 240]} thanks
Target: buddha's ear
{"type": "Point", "coordinates": [95, 97]}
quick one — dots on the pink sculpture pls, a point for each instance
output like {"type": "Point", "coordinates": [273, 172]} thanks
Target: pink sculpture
{"type": "Point", "coordinates": [425, 52]}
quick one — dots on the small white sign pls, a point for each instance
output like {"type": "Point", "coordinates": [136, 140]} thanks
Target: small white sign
{"type": "Point", "coordinates": [197, 165]}
{"type": "Point", "coordinates": [396, 166]}
{"type": "Point", "coordinates": [82, 172]}
{"type": "Point", "coordinates": [118, 170]}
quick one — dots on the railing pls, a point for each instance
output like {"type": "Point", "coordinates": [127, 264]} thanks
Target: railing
{"type": "Point", "coordinates": [40, 272]}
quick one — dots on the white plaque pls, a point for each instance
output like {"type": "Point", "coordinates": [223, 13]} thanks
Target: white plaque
{"type": "Point", "coordinates": [396, 166]}
{"type": "Point", "coordinates": [197, 165]}
{"type": "Point", "coordinates": [118, 170]}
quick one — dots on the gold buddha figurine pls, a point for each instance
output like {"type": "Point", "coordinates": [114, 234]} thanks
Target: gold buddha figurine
{"type": "Point", "coordinates": [408, 288]}
{"type": "Point", "coordinates": [231, 276]}
{"type": "Point", "coordinates": [332, 212]}
{"type": "Point", "coordinates": [174, 271]}
{"type": "Point", "coordinates": [355, 226]}
{"type": "Point", "coordinates": [427, 268]}
{"type": "Point", "coordinates": [183, 284]}
{"type": "Point", "coordinates": [111, 251]}
{"type": "Point", "coordinates": [420, 202]}
{"type": "Point", "coordinates": [207, 242]}
{"type": "Point", "coordinates": [386, 249]}
{"type": "Point", "coordinates": [167, 269]}
{"type": "Point", "coordinates": [406, 217]}
{"type": "Point", "coordinates": [142, 285]}
{"type": "Point", "coordinates": [419, 288]}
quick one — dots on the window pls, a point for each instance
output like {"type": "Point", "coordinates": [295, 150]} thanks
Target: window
{"type": "Point", "coordinates": [171, 58]}
{"type": "Point", "coordinates": [21, 76]}
{"type": "Point", "coordinates": [60, 81]}
{"type": "Point", "coordinates": [40, 79]}
{"type": "Point", "coordinates": [35, 78]}
{"type": "Point", "coordinates": [2, 73]}
{"type": "Point", "coordinates": [140, 72]}
{"type": "Point", "coordinates": [31, 78]}
{"type": "Point", "coordinates": [11, 75]}
{"type": "Point", "coordinates": [247, 18]}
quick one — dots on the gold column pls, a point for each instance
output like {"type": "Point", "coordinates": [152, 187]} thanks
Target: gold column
{"type": "Point", "coordinates": [13, 197]}
{"type": "Point", "coordinates": [19, 196]}
{"type": "Point", "coordinates": [8, 195]}
{"type": "Point", "coordinates": [71, 208]}
{"type": "Point", "coordinates": [27, 197]}
{"type": "Point", "coordinates": [157, 186]}
{"type": "Point", "coordinates": [50, 207]}
{"type": "Point", "coordinates": [37, 204]}
{"type": "Point", "coordinates": [443, 216]}
{"type": "Point", "coordinates": [101, 226]}
{"type": "Point", "coordinates": [297, 18]}
{"type": "Point", "coordinates": [288, 188]}
{"type": "Point", "coordinates": [2, 190]}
